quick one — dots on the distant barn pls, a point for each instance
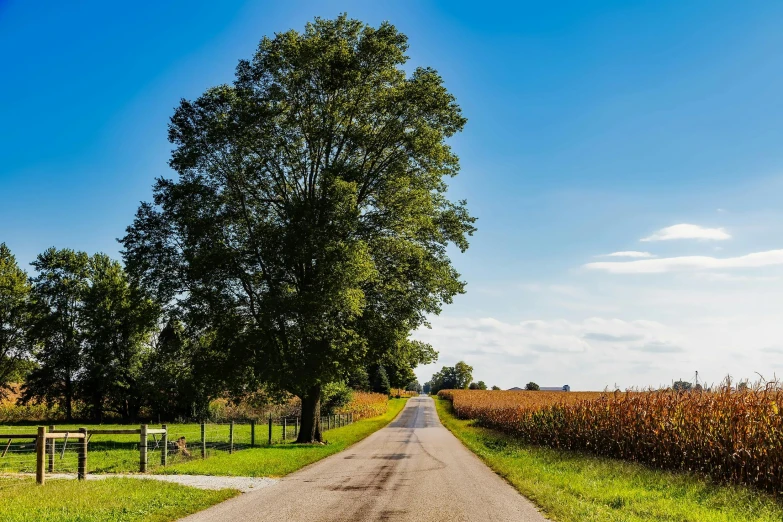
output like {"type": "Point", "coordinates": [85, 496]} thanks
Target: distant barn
{"type": "Point", "coordinates": [555, 388]}
{"type": "Point", "coordinates": [545, 388]}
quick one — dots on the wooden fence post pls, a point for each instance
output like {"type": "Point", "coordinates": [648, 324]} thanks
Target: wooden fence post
{"type": "Point", "coordinates": [296, 428]}
{"type": "Point", "coordinates": [285, 426]}
{"type": "Point", "coordinates": [40, 453]}
{"type": "Point", "coordinates": [203, 440]}
{"type": "Point", "coordinates": [164, 439]}
{"type": "Point", "coordinates": [81, 470]}
{"type": "Point", "coordinates": [143, 449]}
{"type": "Point", "coordinates": [252, 434]}
{"type": "Point", "coordinates": [270, 429]}
{"type": "Point", "coordinates": [51, 450]}
{"type": "Point", "coordinates": [231, 438]}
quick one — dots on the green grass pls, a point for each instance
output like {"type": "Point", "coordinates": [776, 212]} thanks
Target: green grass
{"type": "Point", "coordinates": [115, 500]}
{"type": "Point", "coordinates": [575, 487]}
{"type": "Point", "coordinates": [281, 459]}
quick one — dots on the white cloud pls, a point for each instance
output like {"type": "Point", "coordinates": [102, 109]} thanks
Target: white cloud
{"type": "Point", "coordinates": [672, 264]}
{"type": "Point", "coordinates": [722, 276]}
{"type": "Point", "coordinates": [547, 351]}
{"type": "Point", "coordinates": [490, 335]}
{"type": "Point", "coordinates": [631, 253]}
{"type": "Point", "coordinates": [659, 347]}
{"type": "Point", "coordinates": [686, 231]}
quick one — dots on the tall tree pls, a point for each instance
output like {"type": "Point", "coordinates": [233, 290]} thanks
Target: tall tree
{"type": "Point", "coordinates": [58, 290]}
{"type": "Point", "coordinates": [117, 321]}
{"type": "Point", "coordinates": [14, 315]}
{"type": "Point", "coordinates": [309, 224]}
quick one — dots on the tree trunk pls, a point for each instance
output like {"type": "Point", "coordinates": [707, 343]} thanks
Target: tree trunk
{"type": "Point", "coordinates": [310, 427]}
{"type": "Point", "coordinates": [68, 398]}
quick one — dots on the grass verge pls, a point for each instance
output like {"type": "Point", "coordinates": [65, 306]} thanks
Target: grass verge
{"type": "Point", "coordinates": [282, 459]}
{"type": "Point", "coordinates": [115, 500]}
{"type": "Point", "coordinates": [574, 487]}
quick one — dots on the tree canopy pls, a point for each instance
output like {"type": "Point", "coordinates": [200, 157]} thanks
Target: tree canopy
{"type": "Point", "coordinates": [308, 226]}
{"type": "Point", "coordinates": [89, 329]}
{"type": "Point", "coordinates": [457, 377]}
{"type": "Point", "coordinates": [682, 385]}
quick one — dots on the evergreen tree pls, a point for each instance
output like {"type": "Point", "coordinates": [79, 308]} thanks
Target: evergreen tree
{"type": "Point", "coordinates": [380, 382]}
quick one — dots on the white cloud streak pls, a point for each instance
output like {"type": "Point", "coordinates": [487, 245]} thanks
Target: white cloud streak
{"type": "Point", "coordinates": [686, 231]}
{"type": "Point", "coordinates": [631, 253]}
{"type": "Point", "coordinates": [675, 264]}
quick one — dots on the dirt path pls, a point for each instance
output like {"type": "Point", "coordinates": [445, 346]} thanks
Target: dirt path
{"type": "Point", "coordinates": [412, 470]}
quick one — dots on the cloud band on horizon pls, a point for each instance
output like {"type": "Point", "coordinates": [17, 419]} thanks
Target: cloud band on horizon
{"type": "Point", "coordinates": [672, 264]}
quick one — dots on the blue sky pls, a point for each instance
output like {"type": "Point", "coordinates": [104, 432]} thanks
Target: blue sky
{"type": "Point", "coordinates": [592, 125]}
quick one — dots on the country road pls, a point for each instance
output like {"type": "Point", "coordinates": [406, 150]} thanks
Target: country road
{"type": "Point", "coordinates": [412, 470]}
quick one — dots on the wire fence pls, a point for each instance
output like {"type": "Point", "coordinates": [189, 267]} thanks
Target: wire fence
{"type": "Point", "coordinates": [123, 448]}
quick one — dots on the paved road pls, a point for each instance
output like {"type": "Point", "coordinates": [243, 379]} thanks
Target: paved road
{"type": "Point", "coordinates": [412, 470]}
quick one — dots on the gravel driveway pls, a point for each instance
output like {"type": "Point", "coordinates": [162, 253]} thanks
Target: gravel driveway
{"type": "Point", "coordinates": [243, 484]}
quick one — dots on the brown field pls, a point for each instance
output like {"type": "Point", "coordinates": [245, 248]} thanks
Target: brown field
{"type": "Point", "coordinates": [727, 435]}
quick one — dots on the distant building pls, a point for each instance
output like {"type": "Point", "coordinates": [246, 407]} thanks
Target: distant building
{"type": "Point", "coordinates": [555, 388]}
{"type": "Point", "coordinates": [545, 388]}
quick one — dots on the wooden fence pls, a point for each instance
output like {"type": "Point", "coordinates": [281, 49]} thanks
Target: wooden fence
{"type": "Point", "coordinates": [44, 440]}
{"type": "Point", "coordinates": [281, 429]}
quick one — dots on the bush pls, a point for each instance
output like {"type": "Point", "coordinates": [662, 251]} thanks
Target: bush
{"type": "Point", "coordinates": [335, 396]}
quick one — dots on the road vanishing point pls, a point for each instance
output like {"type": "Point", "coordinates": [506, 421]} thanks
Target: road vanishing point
{"type": "Point", "coordinates": [412, 470]}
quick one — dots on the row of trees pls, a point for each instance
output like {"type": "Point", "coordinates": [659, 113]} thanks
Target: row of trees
{"type": "Point", "coordinates": [79, 332]}
{"type": "Point", "coordinates": [457, 377]}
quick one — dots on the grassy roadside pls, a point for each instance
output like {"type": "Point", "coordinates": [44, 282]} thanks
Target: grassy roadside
{"type": "Point", "coordinates": [571, 487]}
{"type": "Point", "coordinates": [111, 500]}
{"type": "Point", "coordinates": [281, 459]}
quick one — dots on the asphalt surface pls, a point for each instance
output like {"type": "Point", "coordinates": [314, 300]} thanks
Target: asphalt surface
{"type": "Point", "coordinates": [412, 470]}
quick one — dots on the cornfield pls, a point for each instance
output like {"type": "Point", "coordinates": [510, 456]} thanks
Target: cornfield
{"type": "Point", "coordinates": [727, 435]}
{"type": "Point", "coordinates": [365, 405]}
{"type": "Point", "coordinates": [362, 405]}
